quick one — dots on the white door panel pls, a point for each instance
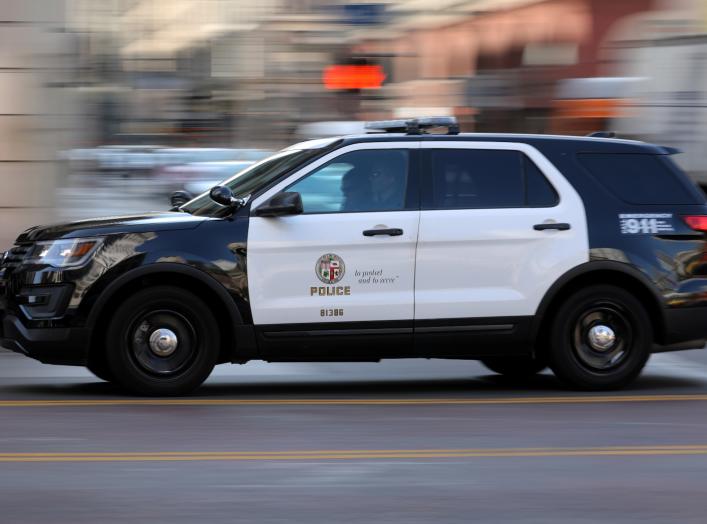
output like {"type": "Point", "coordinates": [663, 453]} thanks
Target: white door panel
{"type": "Point", "coordinates": [491, 262]}
{"type": "Point", "coordinates": [378, 271]}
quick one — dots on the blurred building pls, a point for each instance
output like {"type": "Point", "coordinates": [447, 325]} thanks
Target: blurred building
{"type": "Point", "coordinates": [494, 63]}
{"type": "Point", "coordinates": [233, 72]}
{"type": "Point", "coordinates": [37, 110]}
{"type": "Point", "coordinates": [221, 72]}
{"type": "Point", "coordinates": [665, 53]}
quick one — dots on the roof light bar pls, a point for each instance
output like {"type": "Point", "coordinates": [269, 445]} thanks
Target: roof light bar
{"type": "Point", "coordinates": [389, 126]}
{"type": "Point", "coordinates": [414, 126]}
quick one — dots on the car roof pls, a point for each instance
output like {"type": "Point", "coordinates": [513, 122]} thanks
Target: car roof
{"type": "Point", "coordinates": [544, 142]}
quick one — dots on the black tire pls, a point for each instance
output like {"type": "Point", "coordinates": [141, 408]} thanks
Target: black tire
{"type": "Point", "coordinates": [574, 354]}
{"type": "Point", "coordinates": [190, 332]}
{"type": "Point", "coordinates": [99, 367]}
{"type": "Point", "coordinates": [515, 367]}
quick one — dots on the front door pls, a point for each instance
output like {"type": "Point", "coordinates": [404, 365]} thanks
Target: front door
{"type": "Point", "coordinates": [347, 263]}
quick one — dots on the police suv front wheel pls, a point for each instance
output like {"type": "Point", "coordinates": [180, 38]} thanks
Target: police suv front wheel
{"type": "Point", "coordinates": [600, 338]}
{"type": "Point", "coordinates": [162, 341]}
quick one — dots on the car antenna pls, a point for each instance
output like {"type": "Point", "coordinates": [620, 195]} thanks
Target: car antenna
{"type": "Point", "coordinates": [603, 134]}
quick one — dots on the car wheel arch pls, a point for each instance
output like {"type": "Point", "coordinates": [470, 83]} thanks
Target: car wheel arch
{"type": "Point", "coordinates": [226, 308]}
{"type": "Point", "coordinates": [600, 272]}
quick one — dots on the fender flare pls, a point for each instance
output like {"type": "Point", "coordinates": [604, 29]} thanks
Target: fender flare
{"type": "Point", "coordinates": [164, 267]}
{"type": "Point", "coordinates": [591, 267]}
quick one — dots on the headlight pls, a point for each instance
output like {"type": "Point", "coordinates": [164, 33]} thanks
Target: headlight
{"type": "Point", "coordinates": [63, 253]}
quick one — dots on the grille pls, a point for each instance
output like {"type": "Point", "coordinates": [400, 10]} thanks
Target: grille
{"type": "Point", "coordinates": [16, 255]}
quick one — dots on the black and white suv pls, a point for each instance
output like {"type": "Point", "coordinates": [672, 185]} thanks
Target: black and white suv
{"type": "Point", "coordinates": [584, 254]}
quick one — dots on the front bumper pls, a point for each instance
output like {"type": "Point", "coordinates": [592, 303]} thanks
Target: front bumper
{"type": "Point", "coordinates": [67, 346]}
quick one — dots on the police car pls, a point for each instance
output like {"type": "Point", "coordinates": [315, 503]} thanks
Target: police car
{"type": "Point", "coordinates": [582, 254]}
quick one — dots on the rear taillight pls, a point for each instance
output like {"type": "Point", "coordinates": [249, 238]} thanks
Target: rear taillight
{"type": "Point", "coordinates": [696, 222]}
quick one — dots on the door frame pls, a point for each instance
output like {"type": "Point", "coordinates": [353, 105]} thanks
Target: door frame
{"type": "Point", "coordinates": [342, 341]}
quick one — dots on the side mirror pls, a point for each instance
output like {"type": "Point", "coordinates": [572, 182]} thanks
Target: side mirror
{"type": "Point", "coordinates": [222, 195]}
{"type": "Point", "coordinates": [287, 203]}
{"type": "Point", "coordinates": [179, 198]}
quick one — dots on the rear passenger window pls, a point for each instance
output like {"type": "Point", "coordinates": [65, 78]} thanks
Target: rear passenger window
{"type": "Point", "coordinates": [484, 178]}
{"type": "Point", "coordinates": [641, 179]}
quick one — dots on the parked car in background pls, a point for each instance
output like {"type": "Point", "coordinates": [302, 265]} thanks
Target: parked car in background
{"type": "Point", "coordinates": [188, 155]}
{"type": "Point", "coordinates": [131, 160]}
{"type": "Point", "coordinates": [135, 160]}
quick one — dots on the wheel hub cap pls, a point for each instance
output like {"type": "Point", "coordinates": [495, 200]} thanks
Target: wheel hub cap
{"type": "Point", "coordinates": [163, 342]}
{"type": "Point", "coordinates": [601, 337]}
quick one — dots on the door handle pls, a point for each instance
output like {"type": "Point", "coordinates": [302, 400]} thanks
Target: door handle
{"type": "Point", "coordinates": [392, 232]}
{"type": "Point", "coordinates": [559, 226]}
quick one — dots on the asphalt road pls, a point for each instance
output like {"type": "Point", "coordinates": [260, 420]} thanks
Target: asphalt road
{"type": "Point", "coordinates": [406, 441]}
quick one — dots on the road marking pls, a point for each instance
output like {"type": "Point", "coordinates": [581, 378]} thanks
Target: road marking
{"type": "Point", "coordinates": [355, 454]}
{"type": "Point", "coordinates": [353, 401]}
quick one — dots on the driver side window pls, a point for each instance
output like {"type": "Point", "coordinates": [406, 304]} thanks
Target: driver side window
{"type": "Point", "coordinates": [359, 181]}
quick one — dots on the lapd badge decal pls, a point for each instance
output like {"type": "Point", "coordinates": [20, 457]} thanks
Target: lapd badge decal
{"type": "Point", "coordinates": [330, 268]}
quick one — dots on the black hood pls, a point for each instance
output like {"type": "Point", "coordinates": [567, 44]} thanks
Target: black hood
{"type": "Point", "coordinates": [142, 223]}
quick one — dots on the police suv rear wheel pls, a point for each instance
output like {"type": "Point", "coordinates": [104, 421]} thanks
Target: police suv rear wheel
{"type": "Point", "coordinates": [162, 341]}
{"type": "Point", "coordinates": [515, 367]}
{"type": "Point", "coordinates": [99, 368]}
{"type": "Point", "coordinates": [600, 339]}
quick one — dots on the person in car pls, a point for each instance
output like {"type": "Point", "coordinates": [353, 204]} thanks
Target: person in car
{"type": "Point", "coordinates": [387, 186]}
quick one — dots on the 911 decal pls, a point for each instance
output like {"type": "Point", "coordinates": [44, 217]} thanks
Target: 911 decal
{"type": "Point", "coordinates": [646, 223]}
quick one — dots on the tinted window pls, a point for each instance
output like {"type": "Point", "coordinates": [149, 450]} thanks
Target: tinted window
{"type": "Point", "coordinates": [478, 178]}
{"type": "Point", "coordinates": [641, 179]}
{"type": "Point", "coordinates": [359, 181]}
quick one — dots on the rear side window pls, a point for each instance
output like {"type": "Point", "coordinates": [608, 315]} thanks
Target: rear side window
{"type": "Point", "coordinates": [641, 179]}
{"type": "Point", "coordinates": [485, 179]}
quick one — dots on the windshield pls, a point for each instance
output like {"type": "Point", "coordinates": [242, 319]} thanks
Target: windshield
{"type": "Point", "coordinates": [252, 179]}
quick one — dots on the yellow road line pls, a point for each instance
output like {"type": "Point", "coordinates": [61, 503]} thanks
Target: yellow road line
{"type": "Point", "coordinates": [356, 454]}
{"type": "Point", "coordinates": [578, 399]}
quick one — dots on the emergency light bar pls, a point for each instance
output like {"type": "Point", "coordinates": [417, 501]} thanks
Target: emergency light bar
{"type": "Point", "coordinates": [415, 126]}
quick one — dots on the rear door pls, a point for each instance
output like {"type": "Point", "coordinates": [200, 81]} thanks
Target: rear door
{"type": "Point", "coordinates": [499, 225]}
